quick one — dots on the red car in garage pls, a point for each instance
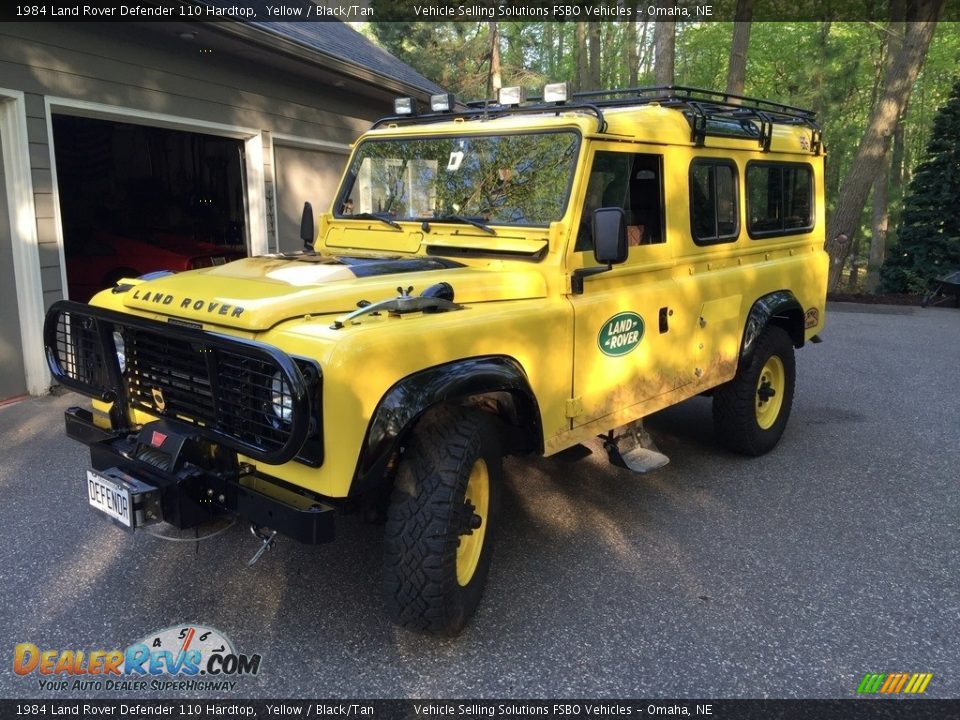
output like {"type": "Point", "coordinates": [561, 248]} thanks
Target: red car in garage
{"type": "Point", "coordinates": [104, 259]}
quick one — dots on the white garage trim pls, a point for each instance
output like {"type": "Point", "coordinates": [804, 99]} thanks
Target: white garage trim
{"type": "Point", "coordinates": [256, 202]}
{"type": "Point", "coordinates": [23, 238]}
{"type": "Point", "coordinates": [253, 153]}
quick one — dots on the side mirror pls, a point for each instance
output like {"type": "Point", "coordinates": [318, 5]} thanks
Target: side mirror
{"type": "Point", "coordinates": [609, 235]}
{"type": "Point", "coordinates": [306, 227]}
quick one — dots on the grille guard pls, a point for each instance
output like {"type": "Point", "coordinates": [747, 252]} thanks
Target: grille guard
{"type": "Point", "coordinates": [228, 379]}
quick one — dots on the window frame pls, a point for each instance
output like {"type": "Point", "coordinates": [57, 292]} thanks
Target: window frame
{"type": "Point", "coordinates": [631, 151]}
{"type": "Point", "coordinates": [706, 160]}
{"type": "Point", "coordinates": [782, 232]}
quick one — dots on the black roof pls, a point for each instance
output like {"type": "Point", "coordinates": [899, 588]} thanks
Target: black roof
{"type": "Point", "coordinates": [333, 39]}
{"type": "Point", "coordinates": [340, 41]}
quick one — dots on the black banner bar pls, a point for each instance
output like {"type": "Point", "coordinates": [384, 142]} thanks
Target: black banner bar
{"type": "Point", "coordinates": [859, 709]}
{"type": "Point", "coordinates": [442, 11]}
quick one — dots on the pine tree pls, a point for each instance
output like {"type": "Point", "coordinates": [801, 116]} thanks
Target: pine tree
{"type": "Point", "coordinates": [928, 243]}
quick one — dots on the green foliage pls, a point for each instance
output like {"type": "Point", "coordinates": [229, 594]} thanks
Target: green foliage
{"type": "Point", "coordinates": [453, 55]}
{"type": "Point", "coordinates": [929, 234]}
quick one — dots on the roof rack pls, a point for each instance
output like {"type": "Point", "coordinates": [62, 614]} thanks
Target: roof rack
{"type": "Point", "coordinates": [715, 113]}
{"type": "Point", "coordinates": [486, 109]}
{"type": "Point", "coordinates": [709, 113]}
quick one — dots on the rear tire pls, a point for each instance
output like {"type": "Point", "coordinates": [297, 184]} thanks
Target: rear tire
{"type": "Point", "coordinates": [441, 521]}
{"type": "Point", "coordinates": [751, 411]}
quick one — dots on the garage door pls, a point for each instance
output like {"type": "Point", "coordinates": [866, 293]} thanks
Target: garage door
{"type": "Point", "coordinates": [303, 176]}
{"type": "Point", "coordinates": [12, 381]}
{"type": "Point", "coordinates": [135, 199]}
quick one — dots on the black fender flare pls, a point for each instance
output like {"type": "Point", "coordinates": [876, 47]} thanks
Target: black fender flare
{"type": "Point", "coordinates": [779, 308]}
{"type": "Point", "coordinates": [406, 401]}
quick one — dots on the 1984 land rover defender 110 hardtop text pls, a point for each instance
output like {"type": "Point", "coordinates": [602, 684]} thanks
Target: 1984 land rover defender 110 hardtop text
{"type": "Point", "coordinates": [509, 277]}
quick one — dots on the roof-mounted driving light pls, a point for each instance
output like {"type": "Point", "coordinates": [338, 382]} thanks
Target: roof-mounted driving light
{"type": "Point", "coordinates": [443, 102]}
{"type": "Point", "coordinates": [405, 106]}
{"type": "Point", "coordinates": [556, 92]}
{"type": "Point", "coordinates": [511, 95]}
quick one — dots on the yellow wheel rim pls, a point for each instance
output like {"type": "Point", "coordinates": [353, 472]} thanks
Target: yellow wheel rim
{"type": "Point", "coordinates": [471, 541]}
{"type": "Point", "coordinates": [770, 388]}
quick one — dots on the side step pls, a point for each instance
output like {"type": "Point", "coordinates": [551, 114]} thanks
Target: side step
{"type": "Point", "coordinates": [634, 449]}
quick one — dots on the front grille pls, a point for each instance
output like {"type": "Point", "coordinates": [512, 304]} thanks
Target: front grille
{"type": "Point", "coordinates": [249, 396]}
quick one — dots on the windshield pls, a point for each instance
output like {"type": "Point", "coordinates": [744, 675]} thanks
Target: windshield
{"type": "Point", "coordinates": [507, 179]}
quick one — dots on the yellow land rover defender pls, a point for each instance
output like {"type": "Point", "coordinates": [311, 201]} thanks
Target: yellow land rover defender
{"type": "Point", "coordinates": [515, 276]}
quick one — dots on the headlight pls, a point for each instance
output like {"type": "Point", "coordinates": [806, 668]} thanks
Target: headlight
{"type": "Point", "coordinates": [281, 399]}
{"type": "Point", "coordinates": [121, 353]}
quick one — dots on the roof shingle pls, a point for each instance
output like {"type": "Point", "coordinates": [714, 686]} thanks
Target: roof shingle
{"type": "Point", "coordinates": [336, 40]}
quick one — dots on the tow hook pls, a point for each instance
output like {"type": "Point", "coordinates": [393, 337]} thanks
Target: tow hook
{"type": "Point", "coordinates": [267, 540]}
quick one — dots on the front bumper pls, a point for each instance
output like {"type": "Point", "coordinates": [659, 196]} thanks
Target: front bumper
{"type": "Point", "coordinates": [186, 480]}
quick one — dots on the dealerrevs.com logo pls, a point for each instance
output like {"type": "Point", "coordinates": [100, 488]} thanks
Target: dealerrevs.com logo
{"type": "Point", "coordinates": [183, 657]}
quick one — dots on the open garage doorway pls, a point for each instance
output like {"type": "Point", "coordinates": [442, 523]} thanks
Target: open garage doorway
{"type": "Point", "coordinates": [135, 199]}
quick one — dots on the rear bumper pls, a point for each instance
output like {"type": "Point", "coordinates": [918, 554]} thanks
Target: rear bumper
{"type": "Point", "coordinates": [189, 491]}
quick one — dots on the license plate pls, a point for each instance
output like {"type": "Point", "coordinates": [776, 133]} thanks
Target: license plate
{"type": "Point", "coordinates": [110, 496]}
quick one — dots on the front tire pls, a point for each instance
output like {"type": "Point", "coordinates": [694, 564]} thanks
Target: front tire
{"type": "Point", "coordinates": [751, 411]}
{"type": "Point", "coordinates": [441, 521]}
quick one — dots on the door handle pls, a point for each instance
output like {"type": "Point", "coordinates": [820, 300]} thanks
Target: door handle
{"type": "Point", "coordinates": [664, 322]}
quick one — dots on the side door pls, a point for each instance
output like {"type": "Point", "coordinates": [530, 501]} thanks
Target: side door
{"type": "Point", "coordinates": [631, 336]}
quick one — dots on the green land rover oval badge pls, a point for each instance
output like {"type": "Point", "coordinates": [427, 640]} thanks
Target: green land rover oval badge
{"type": "Point", "coordinates": [620, 334]}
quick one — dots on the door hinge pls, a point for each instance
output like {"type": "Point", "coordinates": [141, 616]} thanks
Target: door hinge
{"type": "Point", "coordinates": [574, 407]}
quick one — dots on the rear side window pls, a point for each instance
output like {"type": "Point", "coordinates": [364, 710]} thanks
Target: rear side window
{"type": "Point", "coordinates": [779, 199]}
{"type": "Point", "coordinates": [714, 214]}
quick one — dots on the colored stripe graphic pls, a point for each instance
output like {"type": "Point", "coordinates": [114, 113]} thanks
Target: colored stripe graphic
{"type": "Point", "coordinates": [894, 683]}
{"type": "Point", "coordinates": [889, 682]}
{"type": "Point", "coordinates": [901, 682]}
{"type": "Point", "coordinates": [870, 683]}
{"type": "Point", "coordinates": [923, 679]}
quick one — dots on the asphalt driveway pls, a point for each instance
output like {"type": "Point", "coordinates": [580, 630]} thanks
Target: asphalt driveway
{"type": "Point", "coordinates": [789, 575]}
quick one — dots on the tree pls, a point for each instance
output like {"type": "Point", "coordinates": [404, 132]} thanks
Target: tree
{"type": "Point", "coordinates": [664, 43]}
{"type": "Point", "coordinates": [495, 81]}
{"type": "Point", "coordinates": [898, 85]}
{"type": "Point", "coordinates": [633, 53]}
{"type": "Point", "coordinates": [581, 78]}
{"type": "Point", "coordinates": [929, 236]}
{"type": "Point", "coordinates": [880, 212]}
{"type": "Point", "coordinates": [593, 68]}
{"type": "Point", "coordinates": [737, 67]}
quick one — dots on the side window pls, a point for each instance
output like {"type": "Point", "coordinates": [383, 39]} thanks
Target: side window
{"type": "Point", "coordinates": [632, 181]}
{"type": "Point", "coordinates": [714, 208]}
{"type": "Point", "coordinates": [779, 199]}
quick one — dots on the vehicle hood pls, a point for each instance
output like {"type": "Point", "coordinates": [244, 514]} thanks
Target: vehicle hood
{"type": "Point", "coordinates": [257, 293]}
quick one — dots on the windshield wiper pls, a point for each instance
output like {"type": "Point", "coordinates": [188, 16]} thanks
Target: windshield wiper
{"type": "Point", "coordinates": [374, 216]}
{"type": "Point", "coordinates": [466, 221]}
